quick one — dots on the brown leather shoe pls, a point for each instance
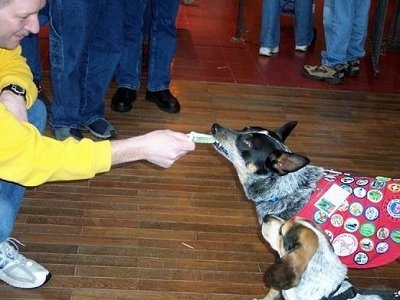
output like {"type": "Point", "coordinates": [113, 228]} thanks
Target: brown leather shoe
{"type": "Point", "coordinates": [123, 99]}
{"type": "Point", "coordinates": [164, 100]}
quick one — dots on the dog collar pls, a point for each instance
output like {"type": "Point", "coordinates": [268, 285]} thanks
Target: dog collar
{"type": "Point", "coordinates": [350, 293]}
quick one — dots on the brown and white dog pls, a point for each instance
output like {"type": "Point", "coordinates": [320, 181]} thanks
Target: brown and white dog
{"type": "Point", "coordinates": [307, 268]}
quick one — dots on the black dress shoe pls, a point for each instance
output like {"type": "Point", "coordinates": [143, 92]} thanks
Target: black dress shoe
{"type": "Point", "coordinates": [123, 99]}
{"type": "Point", "coordinates": [164, 100]}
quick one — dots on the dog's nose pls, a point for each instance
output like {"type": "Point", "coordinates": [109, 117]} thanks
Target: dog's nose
{"type": "Point", "coordinates": [215, 128]}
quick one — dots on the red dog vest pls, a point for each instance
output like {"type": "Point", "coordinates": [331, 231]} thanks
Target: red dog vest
{"type": "Point", "coordinates": [361, 216]}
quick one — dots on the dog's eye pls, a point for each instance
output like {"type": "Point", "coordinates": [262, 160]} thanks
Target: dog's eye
{"type": "Point", "coordinates": [247, 143]}
{"type": "Point", "coordinates": [280, 230]}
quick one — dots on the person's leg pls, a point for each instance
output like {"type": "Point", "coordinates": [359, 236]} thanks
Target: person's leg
{"type": "Point", "coordinates": [356, 49]}
{"type": "Point", "coordinates": [31, 51]}
{"type": "Point", "coordinates": [162, 45]}
{"type": "Point", "coordinates": [11, 194]}
{"type": "Point", "coordinates": [337, 19]}
{"type": "Point", "coordinates": [31, 47]}
{"type": "Point", "coordinates": [67, 39]}
{"type": "Point", "coordinates": [304, 19]}
{"type": "Point", "coordinates": [128, 71]}
{"type": "Point", "coordinates": [14, 268]}
{"type": "Point", "coordinates": [270, 27]}
{"type": "Point", "coordinates": [103, 52]}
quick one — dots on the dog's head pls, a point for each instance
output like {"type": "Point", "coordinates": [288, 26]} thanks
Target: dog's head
{"type": "Point", "coordinates": [296, 242]}
{"type": "Point", "coordinates": [256, 150]}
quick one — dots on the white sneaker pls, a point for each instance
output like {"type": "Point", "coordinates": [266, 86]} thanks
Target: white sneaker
{"type": "Point", "coordinates": [268, 51]}
{"type": "Point", "coordinates": [301, 48]}
{"type": "Point", "coordinates": [17, 270]}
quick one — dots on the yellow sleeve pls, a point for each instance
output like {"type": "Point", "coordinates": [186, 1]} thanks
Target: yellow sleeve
{"type": "Point", "coordinates": [30, 159]}
{"type": "Point", "coordinates": [14, 70]}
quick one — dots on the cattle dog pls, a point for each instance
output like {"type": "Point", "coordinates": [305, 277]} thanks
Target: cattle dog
{"type": "Point", "coordinates": [307, 267]}
{"type": "Point", "coordinates": [361, 215]}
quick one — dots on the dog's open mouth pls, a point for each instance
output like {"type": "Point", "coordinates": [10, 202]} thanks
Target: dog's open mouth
{"type": "Point", "coordinates": [218, 146]}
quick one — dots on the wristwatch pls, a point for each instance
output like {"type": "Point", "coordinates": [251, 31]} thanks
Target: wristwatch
{"type": "Point", "coordinates": [16, 89]}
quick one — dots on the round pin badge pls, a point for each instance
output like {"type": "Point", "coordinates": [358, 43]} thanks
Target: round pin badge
{"type": "Point", "coordinates": [361, 258]}
{"type": "Point", "coordinates": [393, 208]}
{"type": "Point", "coordinates": [345, 244]}
{"type": "Point", "coordinates": [356, 209]}
{"type": "Point", "coordinates": [347, 179]}
{"type": "Point", "coordinates": [351, 225]}
{"type": "Point", "coordinates": [362, 181]}
{"type": "Point", "coordinates": [367, 229]}
{"type": "Point", "coordinates": [394, 187]}
{"type": "Point", "coordinates": [371, 213]}
{"type": "Point", "coordinates": [344, 206]}
{"type": "Point", "coordinates": [347, 188]}
{"type": "Point", "coordinates": [382, 247]}
{"type": "Point", "coordinates": [319, 217]}
{"type": "Point", "coordinates": [360, 192]}
{"type": "Point", "coordinates": [374, 196]}
{"type": "Point", "coordinates": [382, 233]}
{"type": "Point", "coordinates": [378, 184]}
{"type": "Point", "coordinates": [367, 244]}
{"type": "Point", "coordinates": [395, 236]}
{"type": "Point", "coordinates": [336, 220]}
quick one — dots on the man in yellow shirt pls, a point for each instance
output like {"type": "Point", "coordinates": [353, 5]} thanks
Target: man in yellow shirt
{"type": "Point", "coordinates": [27, 158]}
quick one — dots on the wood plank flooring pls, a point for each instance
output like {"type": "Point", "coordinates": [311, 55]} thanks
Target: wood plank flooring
{"type": "Point", "coordinates": [188, 232]}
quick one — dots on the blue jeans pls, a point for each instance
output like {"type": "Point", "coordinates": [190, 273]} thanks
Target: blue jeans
{"type": "Point", "coordinates": [345, 25]}
{"type": "Point", "coordinates": [270, 23]}
{"type": "Point", "coordinates": [11, 194]}
{"type": "Point", "coordinates": [85, 40]}
{"type": "Point", "coordinates": [31, 46]}
{"type": "Point", "coordinates": [128, 71]}
{"type": "Point", "coordinates": [162, 43]}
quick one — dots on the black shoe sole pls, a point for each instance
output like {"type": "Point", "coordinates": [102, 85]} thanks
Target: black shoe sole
{"type": "Point", "coordinates": [328, 80]}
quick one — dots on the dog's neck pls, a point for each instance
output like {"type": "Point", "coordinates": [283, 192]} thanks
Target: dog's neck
{"type": "Point", "coordinates": [281, 195]}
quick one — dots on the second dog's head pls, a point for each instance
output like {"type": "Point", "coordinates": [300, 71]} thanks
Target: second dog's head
{"type": "Point", "coordinates": [304, 253]}
{"type": "Point", "coordinates": [256, 150]}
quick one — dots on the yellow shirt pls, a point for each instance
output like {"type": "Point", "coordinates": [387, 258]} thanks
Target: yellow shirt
{"type": "Point", "coordinates": [29, 158]}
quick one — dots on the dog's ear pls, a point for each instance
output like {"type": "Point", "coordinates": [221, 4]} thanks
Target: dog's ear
{"type": "Point", "coordinates": [283, 162]}
{"type": "Point", "coordinates": [300, 244]}
{"type": "Point", "coordinates": [281, 276]}
{"type": "Point", "coordinates": [286, 129]}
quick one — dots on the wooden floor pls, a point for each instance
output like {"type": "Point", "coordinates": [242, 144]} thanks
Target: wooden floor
{"type": "Point", "coordinates": [188, 232]}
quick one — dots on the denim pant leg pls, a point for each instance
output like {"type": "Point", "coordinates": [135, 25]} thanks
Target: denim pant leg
{"type": "Point", "coordinates": [270, 33]}
{"type": "Point", "coordinates": [31, 51]}
{"type": "Point", "coordinates": [11, 194]}
{"type": "Point", "coordinates": [356, 47]}
{"type": "Point", "coordinates": [102, 56]}
{"type": "Point", "coordinates": [162, 43]}
{"type": "Point", "coordinates": [68, 34]}
{"type": "Point", "coordinates": [31, 47]}
{"type": "Point", "coordinates": [337, 18]}
{"type": "Point", "coordinates": [128, 72]}
{"type": "Point", "coordinates": [303, 27]}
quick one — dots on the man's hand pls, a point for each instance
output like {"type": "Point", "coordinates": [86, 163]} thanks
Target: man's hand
{"type": "Point", "coordinates": [160, 147]}
{"type": "Point", "coordinates": [15, 104]}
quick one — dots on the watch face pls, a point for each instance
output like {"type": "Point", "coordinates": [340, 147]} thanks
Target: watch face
{"type": "Point", "coordinates": [17, 89]}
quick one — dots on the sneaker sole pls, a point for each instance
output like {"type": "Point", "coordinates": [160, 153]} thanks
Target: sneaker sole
{"type": "Point", "coordinates": [329, 80]}
{"type": "Point", "coordinates": [18, 284]}
{"type": "Point", "coordinates": [112, 134]}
